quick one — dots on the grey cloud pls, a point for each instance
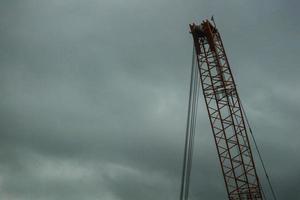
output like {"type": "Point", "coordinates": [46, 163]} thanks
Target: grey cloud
{"type": "Point", "coordinates": [94, 96]}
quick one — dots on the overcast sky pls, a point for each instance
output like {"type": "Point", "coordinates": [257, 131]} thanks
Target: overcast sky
{"type": "Point", "coordinates": [93, 96]}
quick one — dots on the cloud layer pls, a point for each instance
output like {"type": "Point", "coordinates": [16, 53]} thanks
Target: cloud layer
{"type": "Point", "coordinates": [94, 96]}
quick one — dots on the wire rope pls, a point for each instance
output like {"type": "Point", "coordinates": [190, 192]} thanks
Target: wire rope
{"type": "Point", "coordinates": [258, 152]}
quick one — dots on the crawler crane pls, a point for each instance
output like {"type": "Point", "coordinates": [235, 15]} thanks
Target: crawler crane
{"type": "Point", "coordinates": [226, 116]}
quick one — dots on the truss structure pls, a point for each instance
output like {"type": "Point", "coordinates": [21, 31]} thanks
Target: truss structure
{"type": "Point", "coordinates": [225, 114]}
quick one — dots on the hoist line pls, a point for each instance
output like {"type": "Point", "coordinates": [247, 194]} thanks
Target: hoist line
{"type": "Point", "coordinates": [190, 131]}
{"type": "Point", "coordinates": [183, 178]}
{"type": "Point", "coordinates": [258, 152]}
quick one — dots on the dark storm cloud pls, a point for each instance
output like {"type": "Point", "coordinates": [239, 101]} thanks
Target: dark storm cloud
{"type": "Point", "coordinates": [94, 96]}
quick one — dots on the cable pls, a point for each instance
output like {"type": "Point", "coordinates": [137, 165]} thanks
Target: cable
{"type": "Point", "coordinates": [190, 130]}
{"type": "Point", "coordinates": [193, 127]}
{"type": "Point", "coordinates": [187, 137]}
{"type": "Point", "coordinates": [258, 152]}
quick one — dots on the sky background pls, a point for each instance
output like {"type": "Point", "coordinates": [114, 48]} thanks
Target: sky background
{"type": "Point", "coordinates": [94, 95]}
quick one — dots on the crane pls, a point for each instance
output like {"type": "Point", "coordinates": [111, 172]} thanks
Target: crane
{"type": "Point", "coordinates": [226, 116]}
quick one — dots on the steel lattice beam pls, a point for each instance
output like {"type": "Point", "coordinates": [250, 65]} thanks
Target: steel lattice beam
{"type": "Point", "coordinates": [225, 114]}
